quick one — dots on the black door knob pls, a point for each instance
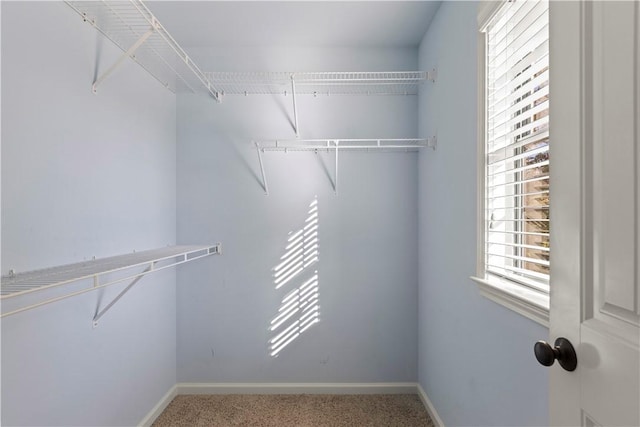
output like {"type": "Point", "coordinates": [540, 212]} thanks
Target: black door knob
{"type": "Point", "coordinates": [563, 352]}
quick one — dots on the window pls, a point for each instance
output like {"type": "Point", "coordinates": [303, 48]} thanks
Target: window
{"type": "Point", "coordinates": [514, 255]}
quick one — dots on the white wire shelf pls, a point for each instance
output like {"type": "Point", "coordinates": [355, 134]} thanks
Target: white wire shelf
{"type": "Point", "coordinates": [408, 144]}
{"type": "Point", "coordinates": [319, 83]}
{"type": "Point", "coordinates": [30, 282]}
{"type": "Point", "coordinates": [132, 27]}
{"type": "Point", "coordinates": [335, 146]}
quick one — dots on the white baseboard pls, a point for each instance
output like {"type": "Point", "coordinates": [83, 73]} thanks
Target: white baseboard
{"type": "Point", "coordinates": [160, 406]}
{"type": "Point", "coordinates": [296, 388]}
{"type": "Point", "coordinates": [429, 407]}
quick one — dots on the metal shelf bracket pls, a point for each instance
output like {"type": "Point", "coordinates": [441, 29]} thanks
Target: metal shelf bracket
{"type": "Point", "coordinates": [264, 177]}
{"type": "Point", "coordinates": [295, 107]}
{"type": "Point", "coordinates": [432, 75]}
{"type": "Point", "coordinates": [335, 181]}
{"type": "Point", "coordinates": [432, 142]}
{"type": "Point", "coordinates": [128, 54]}
{"type": "Point", "coordinates": [217, 249]}
{"type": "Point", "coordinates": [101, 313]}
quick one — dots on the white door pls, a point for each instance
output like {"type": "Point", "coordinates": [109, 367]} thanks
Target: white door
{"type": "Point", "coordinates": [595, 213]}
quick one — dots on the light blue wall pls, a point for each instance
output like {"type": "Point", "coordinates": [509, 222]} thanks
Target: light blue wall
{"type": "Point", "coordinates": [476, 359]}
{"type": "Point", "coordinates": [83, 175]}
{"type": "Point", "coordinates": [86, 175]}
{"type": "Point", "coordinates": [368, 242]}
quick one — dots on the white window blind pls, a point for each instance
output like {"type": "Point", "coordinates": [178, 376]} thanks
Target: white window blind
{"type": "Point", "coordinates": [517, 145]}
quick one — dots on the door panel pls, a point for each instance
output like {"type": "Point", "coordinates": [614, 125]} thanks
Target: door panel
{"type": "Point", "coordinates": [595, 301]}
{"type": "Point", "coordinates": [609, 378]}
{"type": "Point", "coordinates": [610, 329]}
{"type": "Point", "coordinates": [615, 79]}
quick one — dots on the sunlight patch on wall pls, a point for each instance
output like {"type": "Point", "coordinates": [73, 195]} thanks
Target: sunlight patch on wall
{"type": "Point", "coordinates": [296, 272]}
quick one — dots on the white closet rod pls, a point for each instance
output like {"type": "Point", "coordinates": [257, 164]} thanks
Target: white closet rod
{"type": "Point", "coordinates": [410, 144]}
{"type": "Point", "coordinates": [337, 145]}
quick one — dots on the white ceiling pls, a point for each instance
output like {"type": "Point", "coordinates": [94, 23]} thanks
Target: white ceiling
{"type": "Point", "coordinates": [296, 23]}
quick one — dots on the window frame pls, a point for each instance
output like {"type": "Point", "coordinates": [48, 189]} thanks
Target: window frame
{"type": "Point", "coordinates": [519, 298]}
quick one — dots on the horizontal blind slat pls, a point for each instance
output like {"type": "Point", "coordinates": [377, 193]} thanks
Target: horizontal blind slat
{"type": "Point", "coordinates": [521, 208]}
{"type": "Point", "coordinates": [519, 276]}
{"type": "Point", "coordinates": [500, 171]}
{"type": "Point", "coordinates": [517, 196]}
{"type": "Point", "coordinates": [523, 233]}
{"type": "Point", "coordinates": [539, 136]}
{"type": "Point", "coordinates": [533, 141]}
{"type": "Point", "coordinates": [541, 262]}
{"type": "Point", "coordinates": [518, 245]}
{"type": "Point", "coordinates": [493, 182]}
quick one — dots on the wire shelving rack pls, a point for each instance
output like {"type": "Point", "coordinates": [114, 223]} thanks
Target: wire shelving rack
{"type": "Point", "coordinates": [98, 273]}
{"type": "Point", "coordinates": [132, 27]}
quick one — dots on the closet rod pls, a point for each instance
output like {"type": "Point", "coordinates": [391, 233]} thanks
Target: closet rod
{"type": "Point", "coordinates": [336, 145]}
{"type": "Point", "coordinates": [407, 144]}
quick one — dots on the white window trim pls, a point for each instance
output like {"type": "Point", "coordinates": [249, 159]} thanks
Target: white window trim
{"type": "Point", "coordinates": [527, 302]}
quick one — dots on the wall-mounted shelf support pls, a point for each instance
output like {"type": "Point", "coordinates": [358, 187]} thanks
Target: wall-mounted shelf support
{"type": "Point", "coordinates": [295, 106]}
{"type": "Point", "coordinates": [264, 177]}
{"type": "Point", "coordinates": [335, 181]}
{"type": "Point", "coordinates": [111, 268]}
{"type": "Point", "coordinates": [101, 313]}
{"type": "Point", "coordinates": [432, 142]}
{"type": "Point", "coordinates": [432, 75]}
{"type": "Point", "coordinates": [128, 54]}
{"type": "Point", "coordinates": [336, 145]}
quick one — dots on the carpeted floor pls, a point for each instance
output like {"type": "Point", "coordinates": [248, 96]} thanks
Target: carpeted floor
{"type": "Point", "coordinates": [304, 410]}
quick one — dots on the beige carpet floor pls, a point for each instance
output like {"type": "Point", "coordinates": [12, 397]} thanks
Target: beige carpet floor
{"type": "Point", "coordinates": [305, 410]}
